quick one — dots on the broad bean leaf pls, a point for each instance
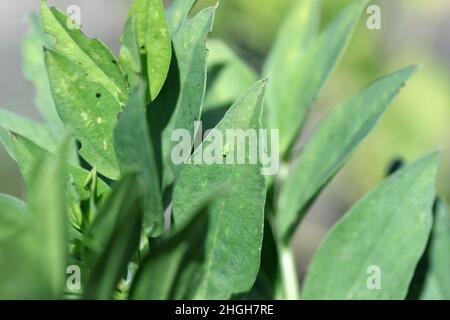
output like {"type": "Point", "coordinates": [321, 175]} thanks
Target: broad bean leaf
{"type": "Point", "coordinates": [180, 103]}
{"type": "Point", "coordinates": [235, 232]}
{"type": "Point", "coordinates": [304, 71]}
{"type": "Point", "coordinates": [153, 40]}
{"type": "Point", "coordinates": [87, 109]}
{"type": "Point", "coordinates": [298, 29]}
{"type": "Point", "coordinates": [372, 252]}
{"type": "Point", "coordinates": [330, 146]}
{"type": "Point", "coordinates": [93, 56]}
{"type": "Point", "coordinates": [130, 53]}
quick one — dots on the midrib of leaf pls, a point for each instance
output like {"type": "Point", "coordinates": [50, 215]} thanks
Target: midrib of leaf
{"type": "Point", "coordinates": [106, 82]}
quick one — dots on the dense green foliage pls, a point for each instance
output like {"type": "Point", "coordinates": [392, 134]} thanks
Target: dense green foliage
{"type": "Point", "coordinates": [103, 194]}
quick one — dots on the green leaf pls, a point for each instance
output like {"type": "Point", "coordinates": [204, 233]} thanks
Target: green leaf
{"type": "Point", "coordinates": [33, 64]}
{"type": "Point", "coordinates": [180, 102]}
{"type": "Point", "coordinates": [115, 236]}
{"type": "Point", "coordinates": [93, 56]}
{"type": "Point", "coordinates": [171, 270]}
{"type": "Point", "coordinates": [437, 279]}
{"type": "Point", "coordinates": [303, 21]}
{"type": "Point", "coordinates": [39, 133]}
{"type": "Point", "coordinates": [331, 145]}
{"type": "Point", "coordinates": [130, 55]}
{"type": "Point", "coordinates": [286, 69]}
{"type": "Point", "coordinates": [297, 73]}
{"type": "Point", "coordinates": [47, 201]}
{"type": "Point", "coordinates": [228, 77]}
{"type": "Point", "coordinates": [236, 224]}
{"type": "Point", "coordinates": [88, 109]}
{"type": "Point", "coordinates": [153, 40]}
{"type": "Point", "coordinates": [177, 13]}
{"type": "Point", "coordinates": [134, 151]}
{"type": "Point", "coordinates": [387, 229]}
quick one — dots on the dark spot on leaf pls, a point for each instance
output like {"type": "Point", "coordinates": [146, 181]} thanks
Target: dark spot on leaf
{"type": "Point", "coordinates": [114, 62]}
{"type": "Point", "coordinates": [98, 95]}
{"type": "Point", "coordinates": [395, 166]}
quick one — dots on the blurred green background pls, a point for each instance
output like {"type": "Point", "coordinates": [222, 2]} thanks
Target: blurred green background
{"type": "Point", "coordinates": [413, 31]}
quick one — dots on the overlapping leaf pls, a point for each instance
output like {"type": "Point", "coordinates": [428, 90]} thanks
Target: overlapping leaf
{"type": "Point", "coordinates": [235, 230]}
{"type": "Point", "coordinates": [153, 41]}
{"type": "Point", "coordinates": [130, 53]}
{"type": "Point", "coordinates": [134, 150]}
{"type": "Point", "coordinates": [180, 102]}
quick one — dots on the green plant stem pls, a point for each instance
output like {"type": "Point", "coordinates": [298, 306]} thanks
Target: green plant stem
{"type": "Point", "coordinates": [288, 272]}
